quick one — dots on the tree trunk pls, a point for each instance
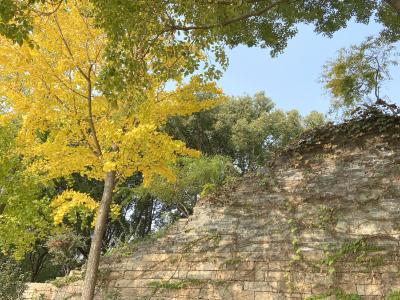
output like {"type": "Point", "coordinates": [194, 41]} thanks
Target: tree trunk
{"type": "Point", "coordinates": [99, 229]}
{"type": "Point", "coordinates": [37, 262]}
{"type": "Point", "coordinates": [2, 208]}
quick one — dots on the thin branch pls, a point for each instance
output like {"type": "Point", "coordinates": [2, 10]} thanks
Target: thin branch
{"type": "Point", "coordinates": [78, 121]}
{"type": "Point", "coordinates": [90, 117]}
{"type": "Point", "coordinates": [61, 80]}
{"type": "Point", "coordinates": [377, 72]}
{"type": "Point", "coordinates": [60, 101]}
{"type": "Point", "coordinates": [68, 48]}
{"type": "Point", "coordinates": [230, 2]}
{"type": "Point", "coordinates": [68, 87]}
{"type": "Point", "coordinates": [98, 151]}
{"type": "Point", "coordinates": [41, 13]}
{"type": "Point", "coordinates": [230, 21]}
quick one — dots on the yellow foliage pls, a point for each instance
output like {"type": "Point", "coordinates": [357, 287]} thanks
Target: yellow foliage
{"type": "Point", "coordinates": [115, 211]}
{"type": "Point", "coordinates": [68, 126]}
{"type": "Point", "coordinates": [72, 202]}
{"type": "Point", "coordinates": [69, 201]}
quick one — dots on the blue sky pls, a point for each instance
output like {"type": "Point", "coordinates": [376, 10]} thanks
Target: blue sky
{"type": "Point", "coordinates": [292, 78]}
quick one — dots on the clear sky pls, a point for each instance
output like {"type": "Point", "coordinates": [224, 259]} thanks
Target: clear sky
{"type": "Point", "coordinates": [292, 78]}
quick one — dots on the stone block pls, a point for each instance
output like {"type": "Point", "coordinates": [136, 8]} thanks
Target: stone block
{"type": "Point", "coordinates": [203, 275]}
{"type": "Point", "coordinates": [261, 286]}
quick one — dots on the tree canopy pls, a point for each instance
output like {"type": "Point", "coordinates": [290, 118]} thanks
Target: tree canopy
{"type": "Point", "coordinates": [359, 73]}
{"type": "Point", "coordinates": [211, 25]}
{"type": "Point", "coordinates": [185, 31]}
{"type": "Point", "coordinates": [247, 129]}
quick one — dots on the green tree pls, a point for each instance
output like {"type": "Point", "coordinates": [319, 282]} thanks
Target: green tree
{"type": "Point", "coordinates": [195, 176]}
{"type": "Point", "coordinates": [25, 217]}
{"type": "Point", "coordinates": [210, 26]}
{"type": "Point", "coordinates": [12, 279]}
{"type": "Point", "coordinates": [358, 73]}
{"type": "Point", "coordinates": [246, 129]}
{"type": "Point", "coordinates": [63, 246]}
{"type": "Point", "coordinates": [14, 20]}
{"type": "Point", "coordinates": [314, 119]}
{"type": "Point", "coordinates": [16, 17]}
{"type": "Point", "coordinates": [268, 22]}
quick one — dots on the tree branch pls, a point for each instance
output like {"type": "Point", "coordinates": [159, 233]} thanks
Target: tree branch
{"type": "Point", "coordinates": [377, 73]}
{"type": "Point", "coordinates": [90, 116]}
{"type": "Point", "coordinates": [231, 2]}
{"type": "Point", "coordinates": [230, 21]}
{"type": "Point", "coordinates": [98, 151]}
{"type": "Point", "coordinates": [395, 4]}
{"type": "Point", "coordinates": [68, 48]}
{"type": "Point", "coordinates": [49, 13]}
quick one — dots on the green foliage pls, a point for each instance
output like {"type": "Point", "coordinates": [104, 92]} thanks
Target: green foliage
{"type": "Point", "coordinates": [12, 279]}
{"type": "Point", "coordinates": [389, 17]}
{"type": "Point", "coordinates": [166, 28]}
{"type": "Point", "coordinates": [357, 74]}
{"type": "Point", "coordinates": [340, 295]}
{"type": "Point", "coordinates": [246, 129]}
{"type": "Point", "coordinates": [207, 23]}
{"type": "Point", "coordinates": [124, 249]}
{"type": "Point", "coordinates": [294, 231]}
{"type": "Point", "coordinates": [63, 248]}
{"type": "Point", "coordinates": [337, 294]}
{"type": "Point", "coordinates": [24, 210]}
{"type": "Point", "coordinates": [232, 262]}
{"type": "Point", "coordinates": [175, 284]}
{"type": "Point", "coordinates": [208, 188]}
{"type": "Point", "coordinates": [314, 119]}
{"type": "Point", "coordinates": [14, 20]}
{"type": "Point", "coordinates": [172, 285]}
{"type": "Point", "coordinates": [63, 281]}
{"type": "Point", "coordinates": [326, 217]}
{"type": "Point", "coordinates": [194, 177]}
{"type": "Point", "coordinates": [358, 250]}
{"type": "Point", "coordinates": [393, 295]}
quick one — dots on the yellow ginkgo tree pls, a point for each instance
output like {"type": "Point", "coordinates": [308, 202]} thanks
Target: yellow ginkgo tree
{"type": "Point", "coordinates": [68, 126]}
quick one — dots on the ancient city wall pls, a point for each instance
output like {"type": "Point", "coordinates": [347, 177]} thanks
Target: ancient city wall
{"type": "Point", "coordinates": [323, 221]}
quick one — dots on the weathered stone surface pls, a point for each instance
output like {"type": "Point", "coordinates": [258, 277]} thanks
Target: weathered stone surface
{"type": "Point", "coordinates": [36, 290]}
{"type": "Point", "coordinates": [329, 223]}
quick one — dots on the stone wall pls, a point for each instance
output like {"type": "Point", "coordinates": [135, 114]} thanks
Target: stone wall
{"type": "Point", "coordinates": [39, 291]}
{"type": "Point", "coordinates": [322, 223]}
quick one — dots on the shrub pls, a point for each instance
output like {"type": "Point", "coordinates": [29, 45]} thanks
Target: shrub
{"type": "Point", "coordinates": [12, 279]}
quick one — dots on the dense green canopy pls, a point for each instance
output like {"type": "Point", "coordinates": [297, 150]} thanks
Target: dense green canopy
{"type": "Point", "coordinates": [171, 30]}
